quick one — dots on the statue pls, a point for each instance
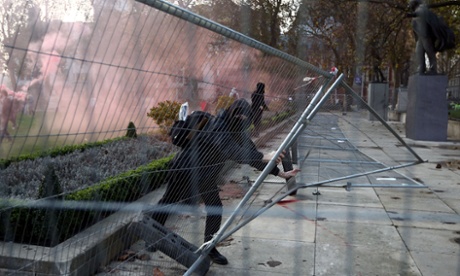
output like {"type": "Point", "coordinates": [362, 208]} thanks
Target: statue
{"type": "Point", "coordinates": [432, 35]}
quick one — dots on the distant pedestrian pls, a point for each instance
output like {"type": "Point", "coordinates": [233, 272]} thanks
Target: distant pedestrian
{"type": "Point", "coordinates": [234, 94]}
{"type": "Point", "coordinates": [258, 106]}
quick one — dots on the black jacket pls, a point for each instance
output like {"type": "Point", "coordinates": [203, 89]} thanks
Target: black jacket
{"type": "Point", "coordinates": [258, 100]}
{"type": "Point", "coordinates": [224, 138]}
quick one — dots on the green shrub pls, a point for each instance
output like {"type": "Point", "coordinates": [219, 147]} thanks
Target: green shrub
{"type": "Point", "coordinates": [224, 102]}
{"type": "Point", "coordinates": [126, 187]}
{"type": "Point", "coordinates": [279, 117]}
{"type": "Point", "coordinates": [49, 185]}
{"type": "Point", "coordinates": [165, 114]}
{"type": "Point", "coordinates": [34, 222]}
{"type": "Point", "coordinates": [58, 151]}
{"type": "Point", "coordinates": [40, 226]}
{"type": "Point", "coordinates": [454, 114]}
{"type": "Point", "coordinates": [45, 221]}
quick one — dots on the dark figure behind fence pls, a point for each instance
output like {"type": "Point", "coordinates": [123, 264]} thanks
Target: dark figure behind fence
{"type": "Point", "coordinates": [258, 106]}
{"type": "Point", "coordinates": [195, 170]}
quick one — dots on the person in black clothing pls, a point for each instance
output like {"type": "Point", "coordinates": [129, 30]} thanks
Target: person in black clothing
{"type": "Point", "coordinates": [258, 106]}
{"type": "Point", "coordinates": [195, 170]}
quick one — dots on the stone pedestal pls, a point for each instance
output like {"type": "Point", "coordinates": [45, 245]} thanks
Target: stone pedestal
{"type": "Point", "coordinates": [426, 117]}
{"type": "Point", "coordinates": [401, 104]}
{"type": "Point", "coordinates": [377, 99]}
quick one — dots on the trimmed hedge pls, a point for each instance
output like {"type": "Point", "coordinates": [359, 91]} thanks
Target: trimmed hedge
{"type": "Point", "coordinates": [51, 226]}
{"type": "Point", "coordinates": [4, 163]}
{"type": "Point", "coordinates": [18, 223]}
{"type": "Point", "coordinates": [279, 117]}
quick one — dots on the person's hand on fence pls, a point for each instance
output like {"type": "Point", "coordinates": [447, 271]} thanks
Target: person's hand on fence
{"type": "Point", "coordinates": [288, 174]}
{"type": "Point", "coordinates": [269, 156]}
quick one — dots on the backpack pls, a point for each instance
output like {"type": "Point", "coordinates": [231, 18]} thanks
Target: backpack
{"type": "Point", "coordinates": [183, 131]}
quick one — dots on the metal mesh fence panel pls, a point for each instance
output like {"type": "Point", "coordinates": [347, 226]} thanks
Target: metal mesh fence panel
{"type": "Point", "coordinates": [90, 181]}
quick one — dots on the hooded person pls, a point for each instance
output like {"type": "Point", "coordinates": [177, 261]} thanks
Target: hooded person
{"type": "Point", "coordinates": [195, 170]}
{"type": "Point", "coordinates": [234, 94]}
{"type": "Point", "coordinates": [258, 106]}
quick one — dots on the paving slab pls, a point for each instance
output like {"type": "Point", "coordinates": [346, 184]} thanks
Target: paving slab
{"type": "Point", "coordinates": [420, 202]}
{"type": "Point", "coordinates": [296, 225]}
{"type": "Point", "coordinates": [259, 256]}
{"type": "Point", "coordinates": [435, 241]}
{"type": "Point", "coordinates": [352, 214]}
{"type": "Point", "coordinates": [423, 219]}
{"type": "Point", "coordinates": [453, 203]}
{"type": "Point", "coordinates": [430, 263]}
{"type": "Point", "coordinates": [376, 236]}
{"type": "Point", "coordinates": [334, 232]}
{"type": "Point", "coordinates": [360, 197]}
{"type": "Point", "coordinates": [336, 259]}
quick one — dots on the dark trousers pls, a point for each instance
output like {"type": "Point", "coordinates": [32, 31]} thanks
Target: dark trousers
{"type": "Point", "coordinates": [256, 120]}
{"type": "Point", "coordinates": [188, 194]}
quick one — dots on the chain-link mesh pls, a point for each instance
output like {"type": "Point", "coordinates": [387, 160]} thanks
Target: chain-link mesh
{"type": "Point", "coordinates": [87, 163]}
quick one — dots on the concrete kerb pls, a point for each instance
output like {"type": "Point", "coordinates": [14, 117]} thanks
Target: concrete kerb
{"type": "Point", "coordinates": [454, 145]}
{"type": "Point", "coordinates": [94, 247]}
{"type": "Point", "coordinates": [82, 254]}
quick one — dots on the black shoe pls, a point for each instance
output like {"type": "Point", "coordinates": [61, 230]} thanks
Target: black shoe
{"type": "Point", "coordinates": [217, 258]}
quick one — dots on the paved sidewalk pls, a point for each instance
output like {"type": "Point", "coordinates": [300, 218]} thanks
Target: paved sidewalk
{"type": "Point", "coordinates": [364, 231]}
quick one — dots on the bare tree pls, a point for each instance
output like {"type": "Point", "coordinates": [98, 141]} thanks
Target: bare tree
{"type": "Point", "coordinates": [13, 16]}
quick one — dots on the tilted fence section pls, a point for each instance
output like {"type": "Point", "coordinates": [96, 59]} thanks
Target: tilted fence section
{"type": "Point", "coordinates": [86, 110]}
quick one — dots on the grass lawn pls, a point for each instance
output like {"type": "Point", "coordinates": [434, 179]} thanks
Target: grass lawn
{"type": "Point", "coordinates": [31, 135]}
